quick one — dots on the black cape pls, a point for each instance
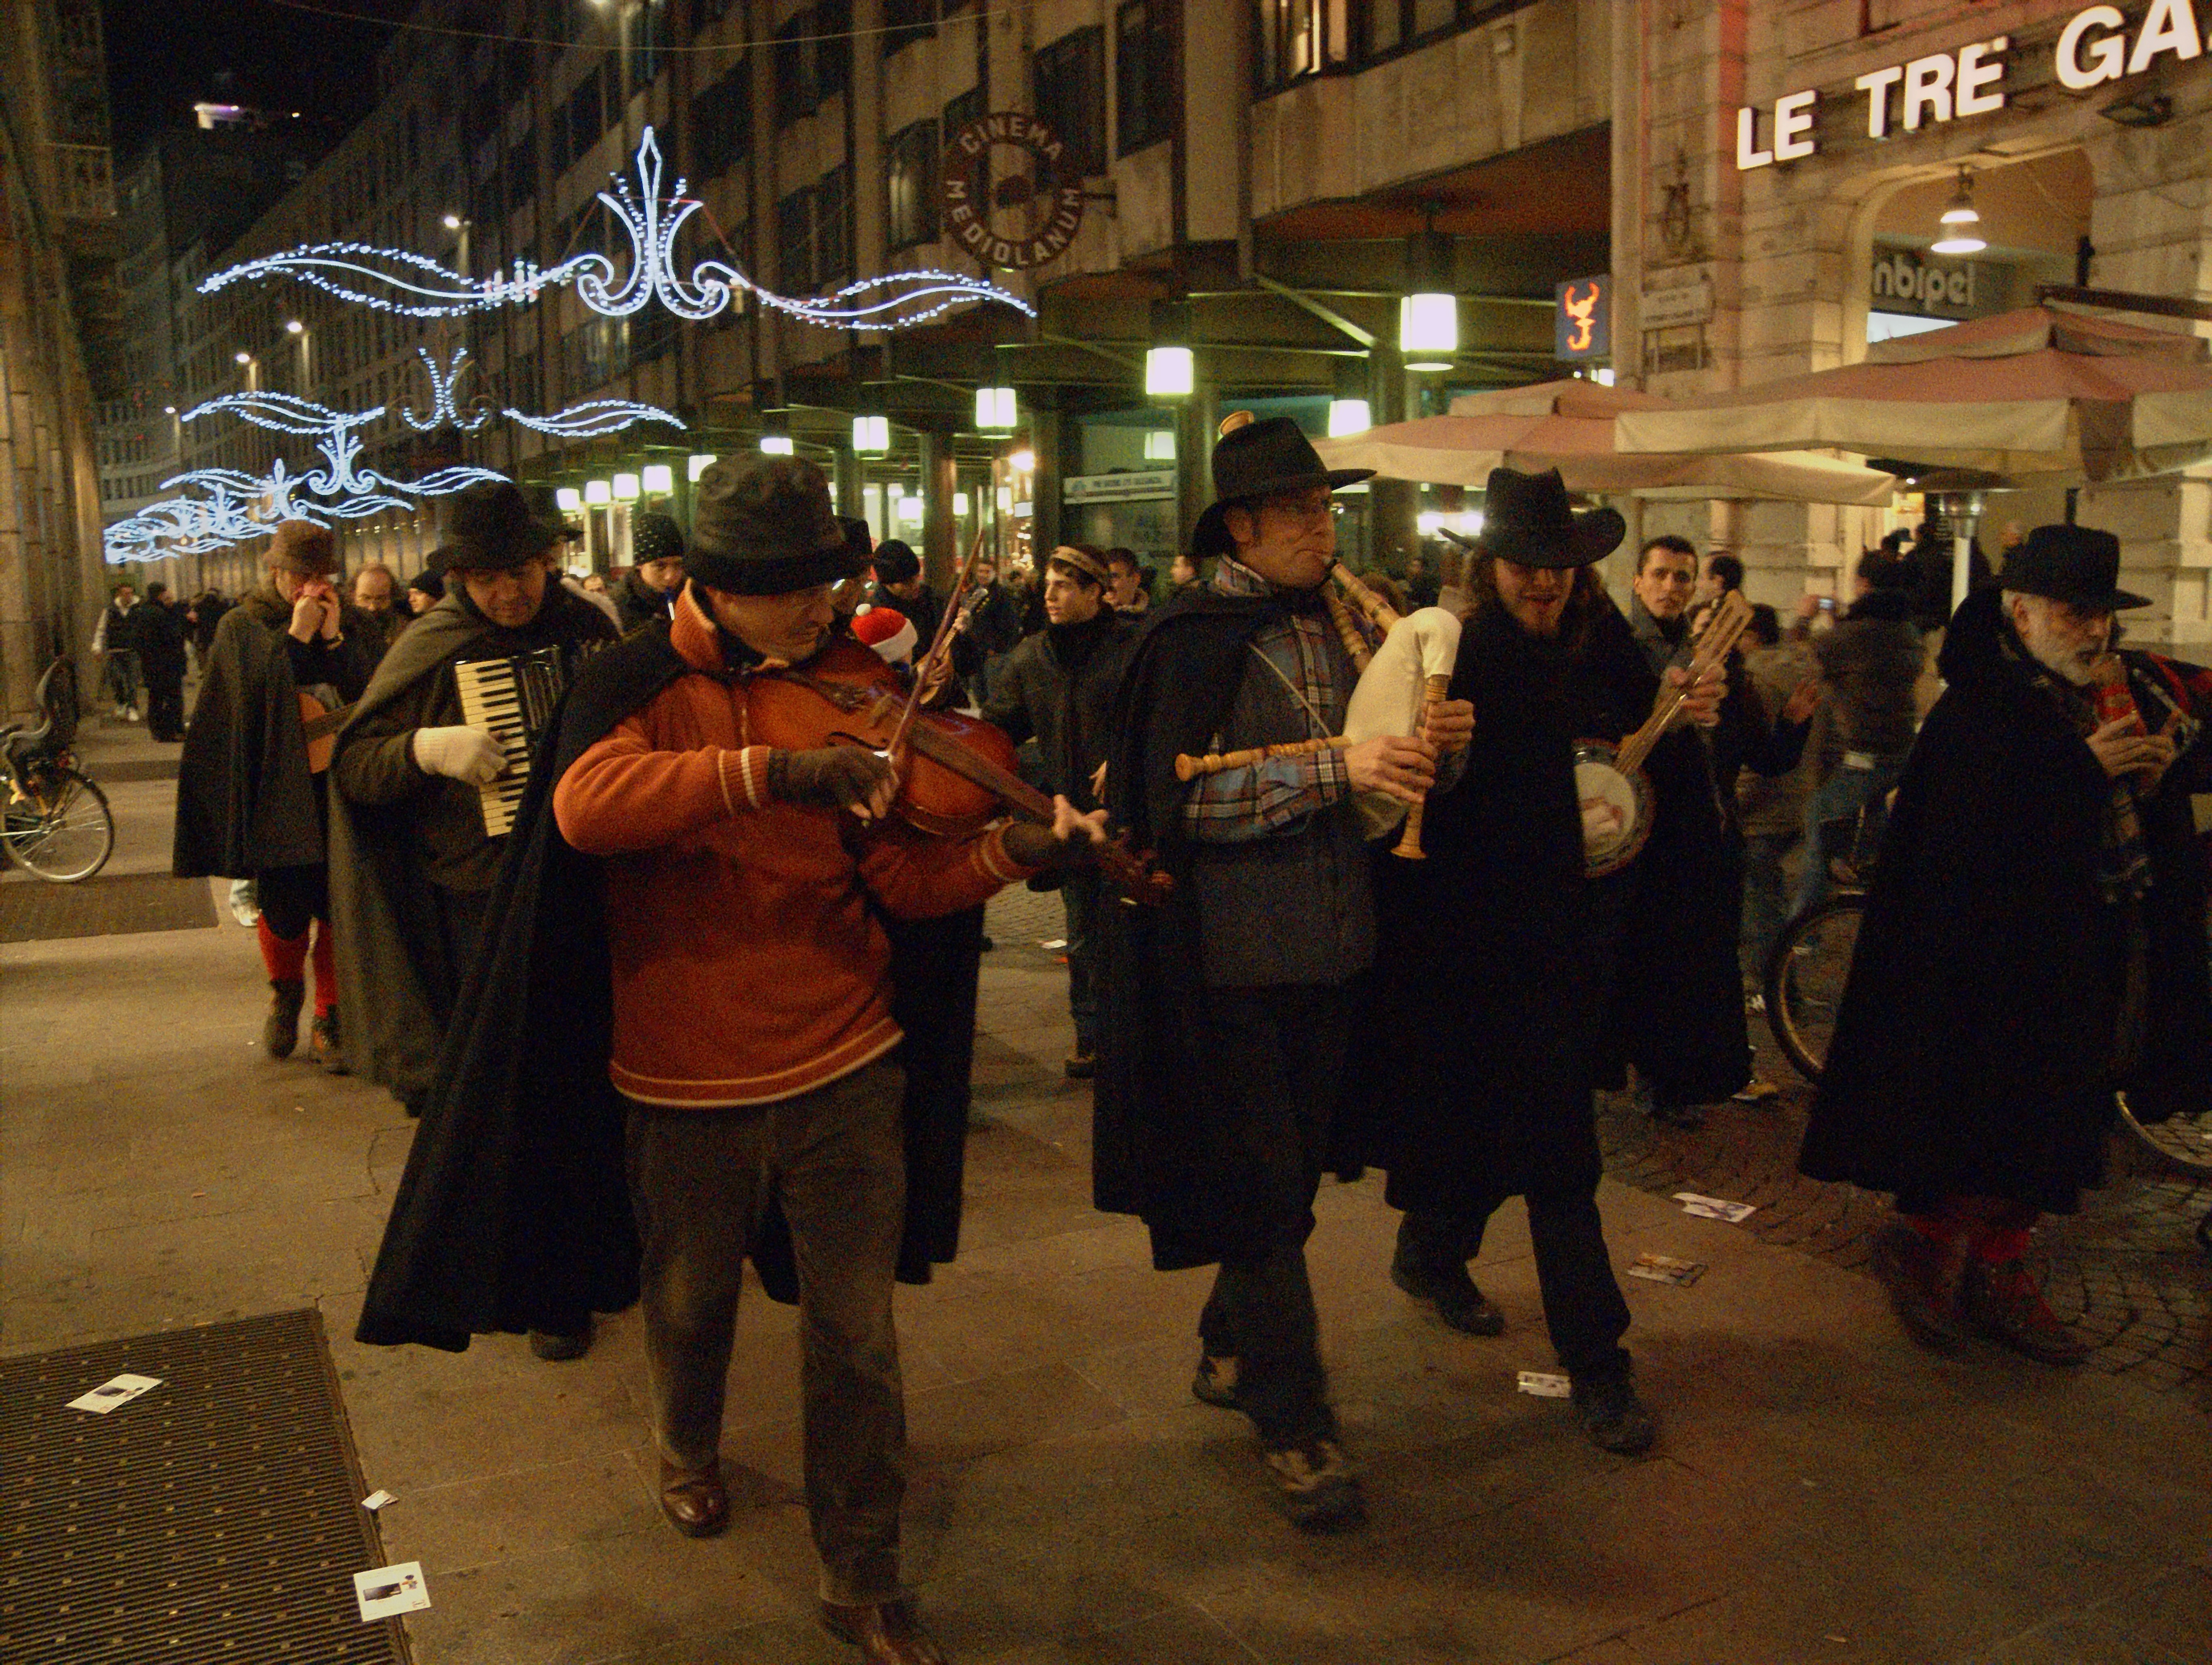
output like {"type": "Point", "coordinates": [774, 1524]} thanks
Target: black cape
{"type": "Point", "coordinates": [1157, 1150]}
{"type": "Point", "coordinates": [1477, 1053]}
{"type": "Point", "coordinates": [390, 955]}
{"type": "Point", "coordinates": [1973, 1051]}
{"type": "Point", "coordinates": [246, 799]}
{"type": "Point", "coordinates": [515, 1212]}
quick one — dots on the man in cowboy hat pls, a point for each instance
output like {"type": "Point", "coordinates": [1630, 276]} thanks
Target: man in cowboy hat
{"type": "Point", "coordinates": [249, 804]}
{"type": "Point", "coordinates": [1057, 687]}
{"type": "Point", "coordinates": [690, 986]}
{"type": "Point", "coordinates": [413, 860]}
{"type": "Point", "coordinates": [2034, 939]}
{"type": "Point", "coordinates": [1492, 1097]}
{"type": "Point", "coordinates": [1228, 1010]}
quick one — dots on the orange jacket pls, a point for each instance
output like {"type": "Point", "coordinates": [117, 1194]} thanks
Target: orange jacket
{"type": "Point", "coordinates": [747, 966]}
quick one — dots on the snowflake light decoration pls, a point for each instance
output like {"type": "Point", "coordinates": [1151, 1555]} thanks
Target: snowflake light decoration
{"type": "Point", "coordinates": [418, 287]}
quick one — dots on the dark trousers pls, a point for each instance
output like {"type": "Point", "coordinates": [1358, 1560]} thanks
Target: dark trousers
{"type": "Point", "coordinates": [1276, 1058]}
{"type": "Point", "coordinates": [1583, 1308]}
{"type": "Point", "coordinates": [700, 1181]}
{"type": "Point", "coordinates": [165, 705]}
{"type": "Point", "coordinates": [1078, 894]}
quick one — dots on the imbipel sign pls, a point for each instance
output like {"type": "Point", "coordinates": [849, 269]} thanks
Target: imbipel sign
{"type": "Point", "coordinates": [2095, 46]}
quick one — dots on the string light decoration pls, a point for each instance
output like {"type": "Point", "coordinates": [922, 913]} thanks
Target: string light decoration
{"type": "Point", "coordinates": [416, 286]}
{"type": "Point", "coordinates": [236, 506]}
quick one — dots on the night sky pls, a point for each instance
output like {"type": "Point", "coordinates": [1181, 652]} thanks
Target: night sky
{"type": "Point", "coordinates": [163, 56]}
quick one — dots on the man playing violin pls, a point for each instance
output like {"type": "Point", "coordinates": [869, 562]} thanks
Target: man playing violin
{"type": "Point", "coordinates": [752, 1036]}
{"type": "Point", "coordinates": [1229, 1009]}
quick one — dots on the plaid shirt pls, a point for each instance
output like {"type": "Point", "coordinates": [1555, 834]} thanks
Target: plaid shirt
{"type": "Point", "coordinates": [1256, 800]}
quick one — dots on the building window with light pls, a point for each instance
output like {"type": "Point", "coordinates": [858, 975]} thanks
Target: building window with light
{"type": "Point", "coordinates": [645, 38]}
{"type": "Point", "coordinates": [1071, 100]}
{"type": "Point", "coordinates": [1144, 74]}
{"type": "Point", "coordinates": [910, 185]}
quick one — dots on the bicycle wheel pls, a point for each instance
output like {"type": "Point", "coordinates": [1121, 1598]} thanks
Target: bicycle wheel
{"type": "Point", "coordinates": [1805, 978]}
{"type": "Point", "coordinates": [64, 833]}
{"type": "Point", "coordinates": [2183, 1142]}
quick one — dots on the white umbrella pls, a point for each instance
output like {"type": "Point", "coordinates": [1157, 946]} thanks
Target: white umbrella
{"type": "Point", "coordinates": [1569, 426]}
{"type": "Point", "coordinates": [2038, 393]}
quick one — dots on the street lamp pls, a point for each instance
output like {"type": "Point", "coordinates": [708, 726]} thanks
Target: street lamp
{"type": "Point", "coordinates": [776, 445]}
{"type": "Point", "coordinates": [994, 410]}
{"type": "Point", "coordinates": [626, 487]}
{"type": "Point", "coordinates": [1170, 367]}
{"type": "Point", "coordinates": [1961, 223]}
{"type": "Point", "coordinates": [872, 435]}
{"type": "Point", "coordinates": [660, 480]}
{"type": "Point", "coordinates": [698, 464]}
{"type": "Point", "coordinates": [1348, 417]}
{"type": "Point", "coordinates": [568, 500]}
{"type": "Point", "coordinates": [1428, 315]}
{"type": "Point", "coordinates": [598, 493]}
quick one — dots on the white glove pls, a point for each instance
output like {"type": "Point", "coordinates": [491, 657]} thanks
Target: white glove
{"type": "Point", "coordinates": [460, 752]}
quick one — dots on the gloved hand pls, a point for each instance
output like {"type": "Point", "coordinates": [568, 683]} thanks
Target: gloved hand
{"type": "Point", "coordinates": [833, 777]}
{"type": "Point", "coordinates": [460, 753]}
{"type": "Point", "coordinates": [1065, 843]}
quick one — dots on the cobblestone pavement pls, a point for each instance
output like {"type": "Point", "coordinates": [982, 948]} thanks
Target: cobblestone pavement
{"type": "Point", "coordinates": [2127, 1268]}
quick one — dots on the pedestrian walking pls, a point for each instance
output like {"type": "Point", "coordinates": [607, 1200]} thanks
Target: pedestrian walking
{"type": "Point", "coordinates": [114, 644]}
{"type": "Point", "coordinates": [157, 628]}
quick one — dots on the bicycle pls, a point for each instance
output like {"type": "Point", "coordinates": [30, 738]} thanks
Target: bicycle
{"type": "Point", "coordinates": [1805, 972]}
{"type": "Point", "coordinates": [55, 823]}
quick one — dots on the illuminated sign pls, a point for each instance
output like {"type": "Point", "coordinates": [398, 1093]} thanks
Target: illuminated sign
{"type": "Point", "coordinates": [398, 281]}
{"type": "Point", "coordinates": [1056, 213]}
{"type": "Point", "coordinates": [1582, 323]}
{"type": "Point", "coordinates": [1126, 486]}
{"type": "Point", "coordinates": [2095, 46]}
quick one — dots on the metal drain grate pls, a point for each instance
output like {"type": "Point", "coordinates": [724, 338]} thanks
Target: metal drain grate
{"type": "Point", "coordinates": [31, 910]}
{"type": "Point", "coordinates": [217, 1517]}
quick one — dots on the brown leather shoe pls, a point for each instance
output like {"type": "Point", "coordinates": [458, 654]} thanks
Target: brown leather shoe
{"type": "Point", "coordinates": [885, 1632]}
{"type": "Point", "coordinates": [2003, 1302]}
{"type": "Point", "coordinates": [1923, 1279]}
{"type": "Point", "coordinates": [693, 1499]}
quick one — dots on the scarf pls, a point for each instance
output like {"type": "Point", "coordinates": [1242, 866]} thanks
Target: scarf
{"type": "Point", "coordinates": [2123, 872]}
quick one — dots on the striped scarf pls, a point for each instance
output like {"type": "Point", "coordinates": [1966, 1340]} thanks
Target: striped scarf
{"type": "Point", "coordinates": [2123, 873]}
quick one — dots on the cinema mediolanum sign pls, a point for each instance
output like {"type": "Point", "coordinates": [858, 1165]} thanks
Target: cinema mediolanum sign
{"type": "Point", "coordinates": [2096, 45]}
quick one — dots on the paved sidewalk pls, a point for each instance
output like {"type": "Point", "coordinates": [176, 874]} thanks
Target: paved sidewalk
{"type": "Point", "coordinates": [1822, 1491]}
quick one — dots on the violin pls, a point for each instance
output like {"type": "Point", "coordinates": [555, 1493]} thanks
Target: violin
{"type": "Point", "coordinates": [956, 773]}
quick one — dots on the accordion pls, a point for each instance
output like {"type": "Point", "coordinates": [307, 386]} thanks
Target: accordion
{"type": "Point", "coordinates": [513, 699]}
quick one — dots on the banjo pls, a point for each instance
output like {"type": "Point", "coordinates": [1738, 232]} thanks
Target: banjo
{"type": "Point", "coordinates": [1617, 800]}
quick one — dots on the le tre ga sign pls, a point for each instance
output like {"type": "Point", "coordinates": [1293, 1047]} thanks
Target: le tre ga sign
{"type": "Point", "coordinates": [2096, 45]}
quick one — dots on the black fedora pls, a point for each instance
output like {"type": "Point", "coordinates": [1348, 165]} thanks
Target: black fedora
{"type": "Point", "coordinates": [1256, 459]}
{"type": "Point", "coordinates": [2077, 564]}
{"type": "Point", "coordinates": [1526, 520]}
{"type": "Point", "coordinates": [490, 528]}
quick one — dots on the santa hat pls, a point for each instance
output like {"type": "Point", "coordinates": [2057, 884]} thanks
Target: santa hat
{"type": "Point", "coordinates": [888, 631]}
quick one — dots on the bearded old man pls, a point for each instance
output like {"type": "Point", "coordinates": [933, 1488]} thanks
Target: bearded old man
{"type": "Point", "coordinates": [2034, 941]}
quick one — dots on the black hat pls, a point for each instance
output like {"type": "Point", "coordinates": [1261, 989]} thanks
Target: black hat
{"type": "Point", "coordinates": [491, 529]}
{"type": "Point", "coordinates": [1526, 520]}
{"type": "Point", "coordinates": [895, 561]}
{"type": "Point", "coordinates": [655, 536]}
{"type": "Point", "coordinates": [2077, 564]}
{"type": "Point", "coordinates": [1256, 459]}
{"type": "Point", "coordinates": [431, 579]}
{"type": "Point", "coordinates": [766, 529]}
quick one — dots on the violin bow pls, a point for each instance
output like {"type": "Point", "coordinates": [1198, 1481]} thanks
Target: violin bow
{"type": "Point", "coordinates": [940, 648]}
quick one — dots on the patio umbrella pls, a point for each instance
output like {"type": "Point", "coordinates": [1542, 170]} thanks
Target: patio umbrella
{"type": "Point", "coordinates": [1569, 426]}
{"type": "Point", "coordinates": [2034, 394]}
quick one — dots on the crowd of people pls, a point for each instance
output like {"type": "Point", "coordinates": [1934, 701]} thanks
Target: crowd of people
{"type": "Point", "coordinates": [697, 984]}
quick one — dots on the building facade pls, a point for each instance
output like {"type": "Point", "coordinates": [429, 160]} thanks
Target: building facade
{"type": "Point", "coordinates": [1261, 181]}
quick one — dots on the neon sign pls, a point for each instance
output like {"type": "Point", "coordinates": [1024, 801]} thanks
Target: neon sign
{"type": "Point", "coordinates": [416, 286]}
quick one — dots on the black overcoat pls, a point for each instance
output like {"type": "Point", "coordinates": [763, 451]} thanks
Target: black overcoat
{"type": "Point", "coordinates": [1477, 1051]}
{"type": "Point", "coordinates": [513, 1212]}
{"type": "Point", "coordinates": [1973, 1051]}
{"type": "Point", "coordinates": [246, 798]}
{"type": "Point", "coordinates": [1159, 1150]}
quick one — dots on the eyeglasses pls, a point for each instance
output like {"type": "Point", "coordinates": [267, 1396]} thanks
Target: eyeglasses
{"type": "Point", "coordinates": [1306, 511]}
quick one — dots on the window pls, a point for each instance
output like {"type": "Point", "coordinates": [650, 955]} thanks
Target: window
{"type": "Point", "coordinates": [1144, 74]}
{"type": "Point", "coordinates": [833, 48]}
{"type": "Point", "coordinates": [587, 116]}
{"type": "Point", "coordinates": [907, 21]}
{"type": "Point", "coordinates": [1301, 38]}
{"type": "Point", "coordinates": [794, 70]}
{"type": "Point", "coordinates": [969, 107]}
{"type": "Point", "coordinates": [645, 37]}
{"type": "Point", "coordinates": [833, 256]}
{"type": "Point", "coordinates": [1070, 98]}
{"type": "Point", "coordinates": [522, 169]}
{"type": "Point", "coordinates": [1288, 29]}
{"type": "Point", "coordinates": [794, 242]}
{"type": "Point", "coordinates": [721, 123]}
{"type": "Point", "coordinates": [910, 187]}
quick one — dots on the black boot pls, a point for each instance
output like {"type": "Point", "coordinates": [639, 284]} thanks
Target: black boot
{"type": "Point", "coordinates": [281, 1034]}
